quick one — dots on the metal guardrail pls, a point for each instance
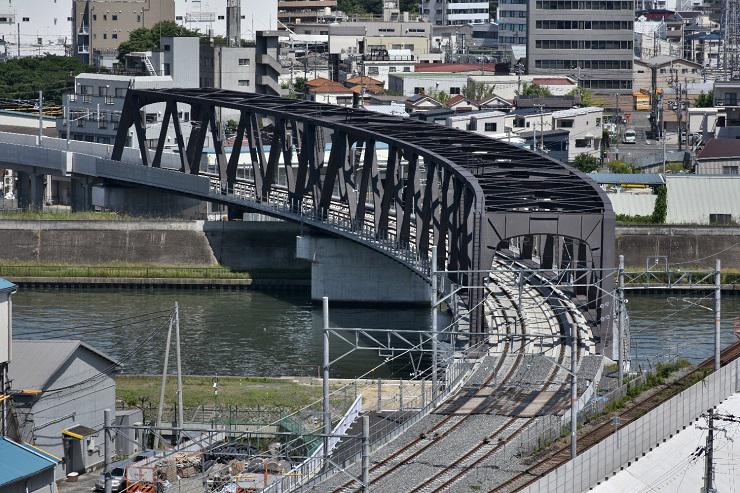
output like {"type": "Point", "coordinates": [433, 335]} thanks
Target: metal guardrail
{"type": "Point", "coordinates": [667, 279]}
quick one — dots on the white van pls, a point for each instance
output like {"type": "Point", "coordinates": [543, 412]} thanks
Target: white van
{"type": "Point", "coordinates": [630, 137]}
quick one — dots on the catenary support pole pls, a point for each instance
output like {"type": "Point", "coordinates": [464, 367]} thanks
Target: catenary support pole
{"type": "Point", "coordinates": [717, 312]}
{"type": "Point", "coordinates": [365, 453]}
{"type": "Point", "coordinates": [621, 321]}
{"type": "Point", "coordinates": [107, 452]}
{"type": "Point", "coordinates": [709, 455]}
{"type": "Point", "coordinates": [41, 115]}
{"type": "Point", "coordinates": [325, 379]}
{"type": "Point", "coordinates": [573, 390]}
{"type": "Point", "coordinates": [435, 386]}
{"type": "Point", "coordinates": [165, 366]}
{"type": "Point", "coordinates": [180, 409]}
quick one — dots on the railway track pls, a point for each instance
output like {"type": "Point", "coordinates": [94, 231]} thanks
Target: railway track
{"type": "Point", "coordinates": [452, 419]}
{"type": "Point", "coordinates": [562, 455]}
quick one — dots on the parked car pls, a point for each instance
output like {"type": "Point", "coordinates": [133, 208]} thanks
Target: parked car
{"type": "Point", "coordinates": [118, 477]}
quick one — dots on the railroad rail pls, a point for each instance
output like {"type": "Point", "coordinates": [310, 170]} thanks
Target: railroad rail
{"type": "Point", "coordinates": [562, 455]}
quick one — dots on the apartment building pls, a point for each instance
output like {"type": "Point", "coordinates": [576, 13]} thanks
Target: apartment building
{"type": "Point", "coordinates": [591, 41]}
{"type": "Point", "coordinates": [292, 12]}
{"type": "Point", "coordinates": [455, 12]}
{"type": "Point", "coordinates": [512, 22]}
{"type": "Point", "coordinates": [44, 27]}
{"type": "Point", "coordinates": [94, 109]}
{"type": "Point", "coordinates": [209, 17]}
{"type": "Point", "coordinates": [357, 37]}
{"type": "Point", "coordinates": [100, 26]}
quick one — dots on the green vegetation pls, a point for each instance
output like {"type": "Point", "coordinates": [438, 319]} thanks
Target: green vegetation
{"type": "Point", "coordinates": [534, 90]}
{"type": "Point", "coordinates": [144, 39]}
{"type": "Point", "coordinates": [627, 219]}
{"type": "Point", "coordinates": [31, 215]}
{"type": "Point", "coordinates": [619, 166]}
{"type": "Point", "coordinates": [374, 6]}
{"type": "Point", "coordinates": [22, 78]}
{"type": "Point", "coordinates": [587, 163]}
{"type": "Point", "coordinates": [242, 391]}
{"type": "Point", "coordinates": [661, 206]}
{"type": "Point", "coordinates": [478, 91]}
{"type": "Point", "coordinates": [587, 97]}
{"type": "Point", "coordinates": [704, 100]}
{"type": "Point", "coordinates": [654, 379]}
{"type": "Point", "coordinates": [120, 270]}
{"type": "Point", "coordinates": [440, 96]}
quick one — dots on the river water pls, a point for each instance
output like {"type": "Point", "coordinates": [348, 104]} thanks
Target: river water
{"type": "Point", "coordinates": [264, 333]}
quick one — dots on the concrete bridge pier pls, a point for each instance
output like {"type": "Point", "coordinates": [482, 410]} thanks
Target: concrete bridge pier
{"type": "Point", "coordinates": [80, 191]}
{"type": "Point", "coordinates": [30, 189]}
{"type": "Point", "coordinates": [346, 271]}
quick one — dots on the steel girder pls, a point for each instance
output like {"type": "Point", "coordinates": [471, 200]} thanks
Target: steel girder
{"type": "Point", "coordinates": [468, 194]}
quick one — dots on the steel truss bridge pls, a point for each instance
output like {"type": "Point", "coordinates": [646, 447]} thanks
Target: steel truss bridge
{"type": "Point", "coordinates": [395, 185]}
{"type": "Point", "coordinates": [468, 194]}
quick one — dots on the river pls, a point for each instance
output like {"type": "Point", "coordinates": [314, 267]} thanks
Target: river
{"type": "Point", "coordinates": [271, 334]}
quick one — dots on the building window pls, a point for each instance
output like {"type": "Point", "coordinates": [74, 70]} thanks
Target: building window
{"type": "Point", "coordinates": [490, 127]}
{"type": "Point", "coordinates": [95, 17]}
{"type": "Point", "coordinates": [220, 17]}
{"type": "Point", "coordinates": [391, 69]}
{"type": "Point", "coordinates": [372, 71]}
{"type": "Point", "coordinates": [114, 36]}
{"type": "Point", "coordinates": [151, 118]}
{"type": "Point", "coordinates": [102, 91]}
{"type": "Point", "coordinates": [583, 143]}
{"type": "Point", "coordinates": [407, 69]}
{"type": "Point", "coordinates": [720, 219]}
{"type": "Point", "coordinates": [565, 123]}
{"type": "Point", "coordinates": [120, 92]}
{"type": "Point", "coordinates": [105, 35]}
{"type": "Point", "coordinates": [730, 99]}
{"type": "Point", "coordinates": [244, 61]}
{"type": "Point", "coordinates": [454, 90]}
{"type": "Point", "coordinates": [114, 17]}
{"type": "Point", "coordinates": [26, 19]}
{"type": "Point", "coordinates": [418, 90]}
{"type": "Point", "coordinates": [243, 83]}
{"type": "Point", "coordinates": [729, 170]}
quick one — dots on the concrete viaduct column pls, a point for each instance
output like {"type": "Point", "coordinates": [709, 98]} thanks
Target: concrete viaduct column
{"type": "Point", "coordinates": [80, 193]}
{"type": "Point", "coordinates": [30, 188]}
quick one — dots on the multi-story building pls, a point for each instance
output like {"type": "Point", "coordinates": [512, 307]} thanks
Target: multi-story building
{"type": "Point", "coordinates": [248, 69]}
{"type": "Point", "coordinates": [378, 64]}
{"type": "Point", "coordinates": [94, 109]}
{"type": "Point", "coordinates": [44, 27]}
{"type": "Point", "coordinates": [512, 22]}
{"type": "Point", "coordinates": [100, 26]}
{"type": "Point", "coordinates": [291, 12]}
{"type": "Point", "coordinates": [209, 17]}
{"type": "Point", "coordinates": [455, 12]}
{"type": "Point", "coordinates": [590, 40]}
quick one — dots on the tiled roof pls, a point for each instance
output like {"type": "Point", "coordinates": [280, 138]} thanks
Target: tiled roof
{"type": "Point", "coordinates": [364, 79]}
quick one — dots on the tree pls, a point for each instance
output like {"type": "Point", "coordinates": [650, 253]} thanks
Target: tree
{"type": "Point", "coordinates": [478, 91]}
{"type": "Point", "coordinates": [534, 90]}
{"type": "Point", "coordinates": [586, 163]}
{"type": "Point", "coordinates": [144, 39]}
{"type": "Point", "coordinates": [440, 96]}
{"type": "Point", "coordinates": [703, 100]}
{"type": "Point", "coordinates": [22, 78]}
{"type": "Point", "coordinates": [619, 166]}
{"type": "Point", "coordinates": [661, 206]}
{"type": "Point", "coordinates": [587, 97]}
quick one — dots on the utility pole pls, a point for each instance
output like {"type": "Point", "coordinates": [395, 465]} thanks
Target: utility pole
{"type": "Point", "coordinates": [542, 127]}
{"type": "Point", "coordinates": [160, 409]}
{"type": "Point", "coordinates": [325, 380]}
{"type": "Point", "coordinates": [620, 345]}
{"type": "Point", "coordinates": [709, 455]}
{"type": "Point", "coordinates": [573, 390]}
{"type": "Point", "coordinates": [434, 323]}
{"type": "Point", "coordinates": [107, 452]}
{"type": "Point", "coordinates": [180, 411]}
{"type": "Point", "coordinates": [717, 313]}
{"type": "Point", "coordinates": [41, 116]}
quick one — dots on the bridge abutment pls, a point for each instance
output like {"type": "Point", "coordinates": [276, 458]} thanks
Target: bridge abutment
{"type": "Point", "coordinates": [80, 195]}
{"type": "Point", "coordinates": [345, 271]}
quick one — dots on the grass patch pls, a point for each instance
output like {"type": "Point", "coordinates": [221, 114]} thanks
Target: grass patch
{"type": "Point", "coordinates": [241, 391]}
{"type": "Point", "coordinates": [653, 379]}
{"type": "Point", "coordinates": [117, 270]}
{"type": "Point", "coordinates": [30, 215]}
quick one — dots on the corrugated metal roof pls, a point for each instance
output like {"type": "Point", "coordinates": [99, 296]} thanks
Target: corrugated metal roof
{"type": "Point", "coordinates": [692, 198]}
{"type": "Point", "coordinates": [6, 285]}
{"type": "Point", "coordinates": [19, 461]}
{"type": "Point", "coordinates": [633, 204]}
{"type": "Point", "coordinates": [34, 363]}
{"type": "Point", "coordinates": [627, 178]}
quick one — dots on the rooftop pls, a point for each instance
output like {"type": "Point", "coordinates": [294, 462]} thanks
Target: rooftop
{"type": "Point", "coordinates": [36, 363]}
{"type": "Point", "coordinates": [364, 79]}
{"type": "Point", "coordinates": [455, 67]}
{"type": "Point", "coordinates": [551, 81]}
{"type": "Point", "coordinates": [720, 148]}
{"type": "Point", "coordinates": [577, 111]}
{"type": "Point", "coordinates": [627, 178]}
{"type": "Point", "coordinates": [6, 285]}
{"type": "Point", "coordinates": [20, 461]}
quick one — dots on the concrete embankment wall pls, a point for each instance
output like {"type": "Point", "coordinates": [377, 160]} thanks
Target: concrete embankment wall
{"type": "Point", "coordinates": [239, 245]}
{"type": "Point", "coordinates": [637, 438]}
{"type": "Point", "coordinates": [680, 244]}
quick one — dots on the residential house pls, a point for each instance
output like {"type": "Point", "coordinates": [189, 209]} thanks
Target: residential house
{"type": "Point", "coordinates": [378, 64]}
{"type": "Point", "coordinates": [585, 129]}
{"type": "Point", "coordinates": [727, 96]}
{"type": "Point", "coordinates": [420, 102]}
{"type": "Point", "coordinates": [329, 92]}
{"type": "Point", "coordinates": [461, 103]}
{"type": "Point", "coordinates": [719, 157]}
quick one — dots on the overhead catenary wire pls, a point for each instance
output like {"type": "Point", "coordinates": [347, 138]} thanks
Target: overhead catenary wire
{"type": "Point", "coordinates": [107, 323]}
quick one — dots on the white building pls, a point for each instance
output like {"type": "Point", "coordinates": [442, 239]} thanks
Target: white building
{"type": "Point", "coordinates": [209, 16]}
{"type": "Point", "coordinates": [584, 127]}
{"type": "Point", "coordinates": [504, 86]}
{"type": "Point", "coordinates": [455, 12]}
{"type": "Point", "coordinates": [379, 64]}
{"type": "Point", "coordinates": [45, 27]}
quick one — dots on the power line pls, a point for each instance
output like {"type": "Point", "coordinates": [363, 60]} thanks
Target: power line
{"type": "Point", "coordinates": [97, 324]}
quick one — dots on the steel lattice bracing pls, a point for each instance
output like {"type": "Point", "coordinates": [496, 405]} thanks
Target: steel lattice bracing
{"type": "Point", "coordinates": [468, 194]}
